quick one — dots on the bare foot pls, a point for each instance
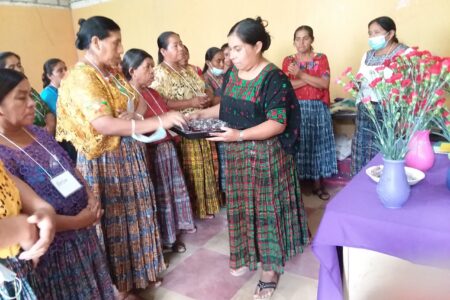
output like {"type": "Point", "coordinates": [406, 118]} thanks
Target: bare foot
{"type": "Point", "coordinates": [239, 272]}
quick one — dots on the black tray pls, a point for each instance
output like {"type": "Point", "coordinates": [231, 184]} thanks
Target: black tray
{"type": "Point", "coordinates": [193, 135]}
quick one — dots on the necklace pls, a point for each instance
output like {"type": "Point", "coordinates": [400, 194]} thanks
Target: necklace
{"type": "Point", "coordinates": [185, 80]}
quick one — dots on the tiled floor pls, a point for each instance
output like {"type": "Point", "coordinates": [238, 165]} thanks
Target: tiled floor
{"type": "Point", "coordinates": [202, 272]}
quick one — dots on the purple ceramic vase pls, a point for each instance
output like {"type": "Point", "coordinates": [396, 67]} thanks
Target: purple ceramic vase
{"type": "Point", "coordinates": [393, 188]}
{"type": "Point", "coordinates": [420, 152]}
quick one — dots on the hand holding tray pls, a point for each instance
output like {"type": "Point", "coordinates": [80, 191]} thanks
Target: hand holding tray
{"type": "Point", "coordinates": [200, 129]}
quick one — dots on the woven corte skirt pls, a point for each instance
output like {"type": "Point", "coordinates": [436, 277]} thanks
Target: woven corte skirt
{"type": "Point", "coordinates": [172, 197]}
{"type": "Point", "coordinates": [198, 168]}
{"type": "Point", "coordinates": [74, 267]}
{"type": "Point", "coordinates": [266, 218]}
{"type": "Point", "coordinates": [130, 228]}
{"type": "Point", "coordinates": [363, 143]}
{"type": "Point", "coordinates": [316, 157]}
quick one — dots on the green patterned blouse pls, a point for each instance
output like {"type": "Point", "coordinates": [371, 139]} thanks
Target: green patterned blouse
{"type": "Point", "coordinates": [41, 109]}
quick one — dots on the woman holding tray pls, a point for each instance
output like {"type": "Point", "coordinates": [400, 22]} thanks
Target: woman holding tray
{"type": "Point", "coordinates": [266, 217]}
{"type": "Point", "coordinates": [184, 90]}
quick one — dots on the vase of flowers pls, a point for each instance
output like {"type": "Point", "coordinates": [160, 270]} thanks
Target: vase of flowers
{"type": "Point", "coordinates": [411, 89]}
{"type": "Point", "coordinates": [393, 188]}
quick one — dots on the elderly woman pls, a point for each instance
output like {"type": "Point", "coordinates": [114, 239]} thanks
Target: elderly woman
{"type": "Point", "coordinates": [31, 154]}
{"type": "Point", "coordinates": [172, 198]}
{"type": "Point", "coordinates": [26, 222]}
{"type": "Point", "coordinates": [309, 73]}
{"type": "Point", "coordinates": [266, 219]}
{"type": "Point", "coordinates": [43, 116]}
{"type": "Point", "coordinates": [384, 43]}
{"type": "Point", "coordinates": [98, 113]}
{"type": "Point", "coordinates": [184, 90]}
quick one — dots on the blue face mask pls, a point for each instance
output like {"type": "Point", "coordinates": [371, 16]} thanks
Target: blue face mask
{"type": "Point", "coordinates": [216, 71]}
{"type": "Point", "coordinates": [378, 42]}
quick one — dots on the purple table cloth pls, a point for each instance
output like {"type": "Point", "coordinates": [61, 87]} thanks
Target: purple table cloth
{"type": "Point", "coordinates": [418, 232]}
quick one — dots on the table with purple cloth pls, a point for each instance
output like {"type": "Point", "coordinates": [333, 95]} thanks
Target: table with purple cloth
{"type": "Point", "coordinates": [418, 232]}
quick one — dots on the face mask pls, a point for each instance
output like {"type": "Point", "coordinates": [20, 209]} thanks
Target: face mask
{"type": "Point", "coordinates": [378, 42]}
{"type": "Point", "coordinates": [6, 275]}
{"type": "Point", "coordinates": [216, 71]}
{"type": "Point", "coordinates": [158, 135]}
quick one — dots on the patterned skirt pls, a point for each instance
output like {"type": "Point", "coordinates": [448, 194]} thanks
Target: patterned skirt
{"type": "Point", "coordinates": [74, 267]}
{"type": "Point", "coordinates": [172, 198]}
{"type": "Point", "coordinates": [266, 218]}
{"type": "Point", "coordinates": [221, 154]}
{"type": "Point", "coordinates": [316, 157]}
{"type": "Point", "coordinates": [363, 143]}
{"type": "Point", "coordinates": [198, 169]}
{"type": "Point", "coordinates": [121, 180]}
{"type": "Point", "coordinates": [25, 273]}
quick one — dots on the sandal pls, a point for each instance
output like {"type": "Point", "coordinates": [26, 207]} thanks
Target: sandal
{"type": "Point", "coordinates": [193, 230]}
{"type": "Point", "coordinates": [177, 247]}
{"type": "Point", "coordinates": [322, 194]}
{"type": "Point", "coordinates": [265, 286]}
{"type": "Point", "coordinates": [239, 272]}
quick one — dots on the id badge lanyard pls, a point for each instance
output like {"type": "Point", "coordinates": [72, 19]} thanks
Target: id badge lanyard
{"type": "Point", "coordinates": [65, 183]}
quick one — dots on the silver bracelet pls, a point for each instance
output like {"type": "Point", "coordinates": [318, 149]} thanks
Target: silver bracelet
{"type": "Point", "coordinates": [241, 136]}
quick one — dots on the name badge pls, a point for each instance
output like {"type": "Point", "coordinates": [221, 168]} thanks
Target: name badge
{"type": "Point", "coordinates": [66, 184]}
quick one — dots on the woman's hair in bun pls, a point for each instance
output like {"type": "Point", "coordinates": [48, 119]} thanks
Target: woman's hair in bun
{"type": "Point", "coordinates": [94, 26]}
{"type": "Point", "coordinates": [251, 31]}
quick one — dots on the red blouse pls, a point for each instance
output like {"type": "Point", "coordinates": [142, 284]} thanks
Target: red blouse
{"type": "Point", "coordinates": [156, 106]}
{"type": "Point", "coordinates": [318, 67]}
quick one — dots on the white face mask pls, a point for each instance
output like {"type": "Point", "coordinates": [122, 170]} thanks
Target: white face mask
{"type": "Point", "coordinates": [158, 135]}
{"type": "Point", "coordinates": [216, 71]}
{"type": "Point", "coordinates": [6, 275]}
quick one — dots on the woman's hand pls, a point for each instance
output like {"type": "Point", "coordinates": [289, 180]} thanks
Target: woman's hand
{"type": "Point", "coordinates": [201, 101]}
{"type": "Point", "coordinates": [89, 216]}
{"type": "Point", "coordinates": [229, 135]}
{"type": "Point", "coordinates": [294, 70]}
{"type": "Point", "coordinates": [172, 118]}
{"type": "Point", "coordinates": [28, 233]}
{"type": "Point", "coordinates": [44, 220]}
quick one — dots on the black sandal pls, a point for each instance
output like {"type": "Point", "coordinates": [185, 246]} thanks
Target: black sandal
{"type": "Point", "coordinates": [265, 285]}
{"type": "Point", "coordinates": [322, 194]}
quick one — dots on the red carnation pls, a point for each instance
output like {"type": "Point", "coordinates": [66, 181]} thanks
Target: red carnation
{"type": "Point", "coordinates": [406, 83]}
{"type": "Point", "coordinates": [375, 82]}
